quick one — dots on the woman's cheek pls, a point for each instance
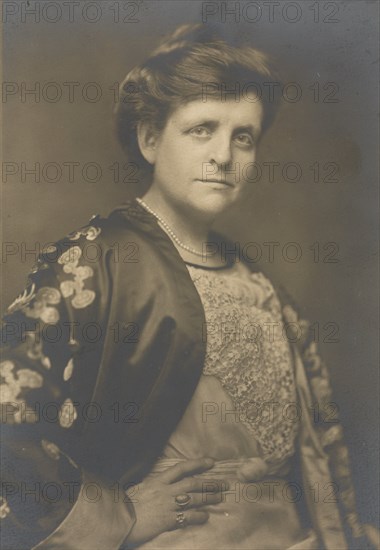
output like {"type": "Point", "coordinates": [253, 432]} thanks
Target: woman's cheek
{"type": "Point", "coordinates": [242, 165]}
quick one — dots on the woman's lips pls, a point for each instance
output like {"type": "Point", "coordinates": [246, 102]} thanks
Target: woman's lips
{"type": "Point", "coordinates": [219, 182]}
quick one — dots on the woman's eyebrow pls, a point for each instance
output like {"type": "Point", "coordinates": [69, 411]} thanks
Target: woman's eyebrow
{"type": "Point", "coordinates": [200, 122]}
{"type": "Point", "coordinates": [248, 128]}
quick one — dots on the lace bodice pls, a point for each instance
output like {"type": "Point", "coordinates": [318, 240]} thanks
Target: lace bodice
{"type": "Point", "coordinates": [249, 354]}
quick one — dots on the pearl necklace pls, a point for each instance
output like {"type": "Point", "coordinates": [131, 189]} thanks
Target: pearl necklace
{"type": "Point", "coordinates": [169, 230]}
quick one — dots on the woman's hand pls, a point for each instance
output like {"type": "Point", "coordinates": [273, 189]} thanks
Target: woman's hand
{"type": "Point", "coordinates": [253, 469]}
{"type": "Point", "coordinates": [155, 506]}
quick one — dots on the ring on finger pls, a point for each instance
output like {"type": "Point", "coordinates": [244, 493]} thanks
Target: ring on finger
{"type": "Point", "coordinates": [180, 520]}
{"type": "Point", "coordinates": [182, 500]}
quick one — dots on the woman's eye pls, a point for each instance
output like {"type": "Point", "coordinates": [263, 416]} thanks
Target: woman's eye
{"type": "Point", "coordinates": [200, 131]}
{"type": "Point", "coordinates": [244, 139]}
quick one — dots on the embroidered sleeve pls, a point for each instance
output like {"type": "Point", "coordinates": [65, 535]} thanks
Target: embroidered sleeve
{"type": "Point", "coordinates": [330, 433]}
{"type": "Point", "coordinates": [42, 488]}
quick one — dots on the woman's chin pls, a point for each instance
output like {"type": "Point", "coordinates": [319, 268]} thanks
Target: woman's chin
{"type": "Point", "coordinates": [213, 204]}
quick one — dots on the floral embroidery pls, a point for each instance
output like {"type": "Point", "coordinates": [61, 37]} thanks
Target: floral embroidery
{"type": "Point", "coordinates": [321, 388]}
{"type": "Point", "coordinates": [50, 249]}
{"type": "Point", "coordinates": [290, 314]}
{"type": "Point", "coordinates": [264, 292]}
{"type": "Point", "coordinates": [313, 361]}
{"type": "Point", "coordinates": [70, 257]}
{"type": "Point", "coordinates": [353, 520]}
{"type": "Point", "coordinates": [10, 391]}
{"type": "Point", "coordinates": [22, 300]}
{"type": "Point", "coordinates": [34, 349]}
{"type": "Point", "coordinates": [43, 303]}
{"type": "Point", "coordinates": [51, 449]}
{"type": "Point", "coordinates": [4, 508]}
{"type": "Point", "coordinates": [74, 344]}
{"type": "Point", "coordinates": [298, 333]}
{"type": "Point", "coordinates": [39, 267]}
{"type": "Point", "coordinates": [68, 372]}
{"type": "Point", "coordinates": [342, 459]}
{"type": "Point", "coordinates": [333, 434]}
{"type": "Point", "coordinates": [69, 260]}
{"type": "Point", "coordinates": [89, 231]}
{"type": "Point", "coordinates": [67, 414]}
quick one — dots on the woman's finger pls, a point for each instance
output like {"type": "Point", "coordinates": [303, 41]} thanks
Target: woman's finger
{"type": "Point", "coordinates": [186, 468]}
{"type": "Point", "coordinates": [198, 500]}
{"type": "Point", "coordinates": [252, 469]}
{"type": "Point", "coordinates": [189, 517]}
{"type": "Point", "coordinates": [198, 485]}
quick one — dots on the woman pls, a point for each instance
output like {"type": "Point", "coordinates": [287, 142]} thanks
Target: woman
{"type": "Point", "coordinates": [134, 404]}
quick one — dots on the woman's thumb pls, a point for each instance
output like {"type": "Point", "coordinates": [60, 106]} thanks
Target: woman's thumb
{"type": "Point", "coordinates": [252, 470]}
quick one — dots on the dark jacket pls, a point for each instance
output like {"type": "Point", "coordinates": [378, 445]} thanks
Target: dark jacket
{"type": "Point", "coordinates": [103, 352]}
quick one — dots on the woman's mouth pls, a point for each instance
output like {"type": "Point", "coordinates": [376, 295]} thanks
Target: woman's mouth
{"type": "Point", "coordinates": [219, 182]}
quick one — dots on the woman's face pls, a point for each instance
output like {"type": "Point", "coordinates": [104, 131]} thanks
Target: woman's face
{"type": "Point", "coordinates": [202, 157]}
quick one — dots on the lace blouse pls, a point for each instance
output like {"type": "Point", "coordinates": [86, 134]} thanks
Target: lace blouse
{"type": "Point", "coordinates": [248, 352]}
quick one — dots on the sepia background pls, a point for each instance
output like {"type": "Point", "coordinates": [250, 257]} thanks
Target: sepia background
{"type": "Point", "coordinates": [337, 51]}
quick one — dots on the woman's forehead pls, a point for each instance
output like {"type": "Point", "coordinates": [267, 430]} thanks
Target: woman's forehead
{"type": "Point", "coordinates": [241, 112]}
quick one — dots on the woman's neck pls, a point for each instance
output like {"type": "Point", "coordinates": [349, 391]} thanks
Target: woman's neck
{"type": "Point", "coordinates": [190, 228]}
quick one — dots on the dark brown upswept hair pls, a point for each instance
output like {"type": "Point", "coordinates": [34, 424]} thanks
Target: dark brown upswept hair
{"type": "Point", "coordinates": [194, 62]}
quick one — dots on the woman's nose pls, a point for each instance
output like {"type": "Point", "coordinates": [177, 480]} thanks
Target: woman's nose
{"type": "Point", "coordinates": [220, 152]}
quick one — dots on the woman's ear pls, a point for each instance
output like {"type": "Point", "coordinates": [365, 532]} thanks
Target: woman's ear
{"type": "Point", "coordinates": [147, 138]}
